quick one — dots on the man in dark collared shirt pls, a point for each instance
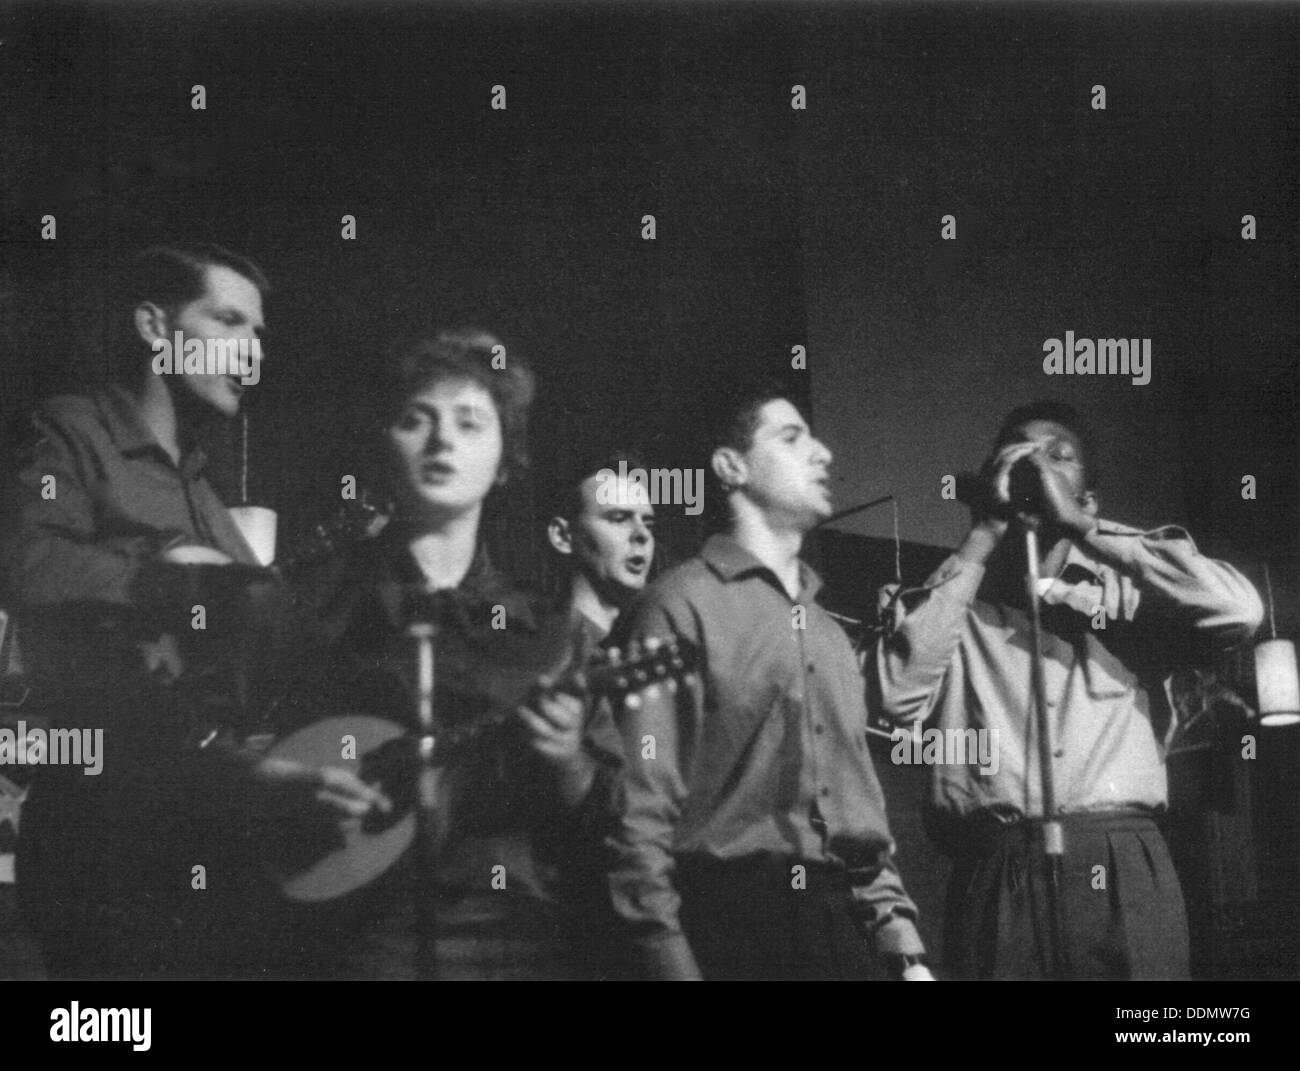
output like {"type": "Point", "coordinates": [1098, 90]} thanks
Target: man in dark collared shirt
{"type": "Point", "coordinates": [109, 533]}
{"type": "Point", "coordinates": [603, 526]}
{"type": "Point", "coordinates": [755, 843]}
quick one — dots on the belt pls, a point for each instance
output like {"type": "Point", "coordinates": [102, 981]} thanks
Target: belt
{"type": "Point", "coordinates": [1002, 821]}
{"type": "Point", "coordinates": [698, 865]}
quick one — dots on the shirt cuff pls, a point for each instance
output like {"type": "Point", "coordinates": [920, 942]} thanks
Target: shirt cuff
{"type": "Point", "coordinates": [957, 580]}
{"type": "Point", "coordinates": [667, 958]}
{"type": "Point", "coordinates": [1126, 547]}
{"type": "Point", "coordinates": [899, 937]}
{"type": "Point", "coordinates": [1119, 549]}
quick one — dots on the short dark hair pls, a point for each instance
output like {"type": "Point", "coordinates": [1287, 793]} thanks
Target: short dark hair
{"type": "Point", "coordinates": [467, 354]}
{"type": "Point", "coordinates": [733, 425]}
{"type": "Point", "coordinates": [171, 276]}
{"type": "Point", "coordinates": [1058, 413]}
{"type": "Point", "coordinates": [564, 498]}
{"type": "Point", "coordinates": [736, 421]}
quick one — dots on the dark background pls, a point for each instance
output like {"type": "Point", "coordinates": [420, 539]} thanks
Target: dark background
{"type": "Point", "coordinates": [775, 228]}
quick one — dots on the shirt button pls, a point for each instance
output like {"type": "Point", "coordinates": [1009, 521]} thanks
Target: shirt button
{"type": "Point", "coordinates": [819, 729]}
{"type": "Point", "coordinates": [826, 791]}
{"type": "Point", "coordinates": [811, 667]}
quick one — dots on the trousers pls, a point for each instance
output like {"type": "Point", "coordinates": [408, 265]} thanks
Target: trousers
{"type": "Point", "coordinates": [1121, 903]}
{"type": "Point", "coordinates": [757, 919]}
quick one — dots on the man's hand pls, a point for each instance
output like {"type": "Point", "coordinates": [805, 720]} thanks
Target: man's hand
{"type": "Point", "coordinates": [333, 788]}
{"type": "Point", "coordinates": [162, 658]}
{"type": "Point", "coordinates": [555, 720]}
{"type": "Point", "coordinates": [194, 554]}
{"type": "Point", "coordinates": [910, 968]}
{"type": "Point", "coordinates": [991, 504]}
{"type": "Point", "coordinates": [1052, 498]}
{"type": "Point", "coordinates": [1060, 508]}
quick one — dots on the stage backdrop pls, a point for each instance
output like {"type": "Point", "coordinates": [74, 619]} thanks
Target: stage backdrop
{"type": "Point", "coordinates": [1117, 223]}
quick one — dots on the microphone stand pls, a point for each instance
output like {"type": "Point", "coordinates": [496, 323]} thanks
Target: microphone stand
{"type": "Point", "coordinates": [426, 794]}
{"type": "Point", "coordinates": [1053, 832]}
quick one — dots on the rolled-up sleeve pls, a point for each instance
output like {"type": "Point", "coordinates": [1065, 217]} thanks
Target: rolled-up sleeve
{"type": "Point", "coordinates": [913, 658]}
{"type": "Point", "coordinates": [1207, 595]}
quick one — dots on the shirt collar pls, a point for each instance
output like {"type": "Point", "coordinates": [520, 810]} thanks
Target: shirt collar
{"type": "Point", "coordinates": [588, 633]}
{"type": "Point", "coordinates": [1077, 558]}
{"type": "Point", "coordinates": [1083, 580]}
{"type": "Point", "coordinates": [122, 418]}
{"type": "Point", "coordinates": [404, 593]}
{"type": "Point", "coordinates": [730, 561]}
{"type": "Point", "coordinates": [577, 619]}
{"type": "Point", "coordinates": [121, 415]}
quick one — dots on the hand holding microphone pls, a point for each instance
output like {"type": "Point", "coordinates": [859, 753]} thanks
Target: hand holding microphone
{"type": "Point", "coordinates": [1020, 483]}
{"type": "Point", "coordinates": [989, 493]}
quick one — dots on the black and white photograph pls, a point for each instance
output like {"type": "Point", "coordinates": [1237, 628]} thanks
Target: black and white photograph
{"type": "Point", "coordinates": [726, 491]}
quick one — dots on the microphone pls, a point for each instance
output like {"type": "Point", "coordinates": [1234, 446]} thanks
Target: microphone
{"type": "Point", "coordinates": [1026, 487]}
{"type": "Point", "coordinates": [1025, 490]}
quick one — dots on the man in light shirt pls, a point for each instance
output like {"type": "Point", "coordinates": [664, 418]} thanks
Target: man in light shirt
{"type": "Point", "coordinates": [1120, 609]}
